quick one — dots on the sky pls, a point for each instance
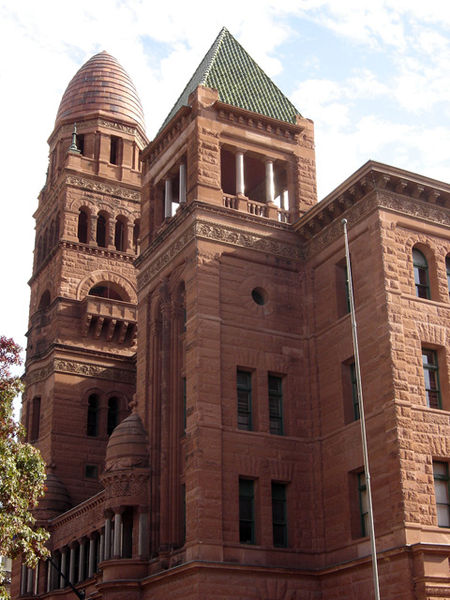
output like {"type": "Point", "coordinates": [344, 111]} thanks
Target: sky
{"type": "Point", "coordinates": [374, 76]}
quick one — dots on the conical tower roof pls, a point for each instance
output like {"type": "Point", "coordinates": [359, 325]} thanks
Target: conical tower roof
{"type": "Point", "coordinates": [229, 69]}
{"type": "Point", "coordinates": [101, 85]}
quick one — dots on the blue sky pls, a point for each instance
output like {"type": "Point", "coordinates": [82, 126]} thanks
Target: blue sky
{"type": "Point", "coordinates": [374, 76]}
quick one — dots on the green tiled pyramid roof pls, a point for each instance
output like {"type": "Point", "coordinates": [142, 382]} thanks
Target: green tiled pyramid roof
{"type": "Point", "coordinates": [239, 80]}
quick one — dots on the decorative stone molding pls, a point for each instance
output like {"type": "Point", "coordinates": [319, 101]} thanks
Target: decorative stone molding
{"type": "Point", "coordinates": [219, 233]}
{"type": "Point", "coordinates": [124, 129]}
{"type": "Point", "coordinates": [97, 186]}
{"type": "Point", "coordinates": [89, 370]}
{"type": "Point", "coordinates": [256, 121]}
{"type": "Point", "coordinates": [97, 277]}
{"type": "Point", "coordinates": [429, 333]}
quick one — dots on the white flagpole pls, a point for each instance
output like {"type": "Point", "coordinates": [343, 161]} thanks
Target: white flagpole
{"type": "Point", "coordinates": [361, 416]}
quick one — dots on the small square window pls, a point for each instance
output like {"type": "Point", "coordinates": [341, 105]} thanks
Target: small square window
{"type": "Point", "coordinates": [91, 472]}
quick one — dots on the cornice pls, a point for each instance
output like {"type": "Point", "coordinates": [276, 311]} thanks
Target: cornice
{"type": "Point", "coordinates": [173, 129]}
{"type": "Point", "coordinates": [373, 186]}
{"type": "Point", "coordinates": [66, 129]}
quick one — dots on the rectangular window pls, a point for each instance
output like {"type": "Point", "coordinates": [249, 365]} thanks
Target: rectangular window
{"type": "Point", "coordinates": [114, 150]}
{"type": "Point", "coordinates": [352, 370]}
{"type": "Point", "coordinates": [246, 511]}
{"type": "Point", "coordinates": [91, 471]}
{"type": "Point", "coordinates": [244, 398]}
{"type": "Point", "coordinates": [275, 405]}
{"type": "Point", "coordinates": [431, 375]}
{"type": "Point", "coordinates": [279, 515]}
{"type": "Point", "coordinates": [35, 419]}
{"type": "Point", "coordinates": [363, 504]}
{"type": "Point", "coordinates": [441, 492]}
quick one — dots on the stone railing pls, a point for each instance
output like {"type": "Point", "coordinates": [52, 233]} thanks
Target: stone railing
{"type": "Point", "coordinates": [252, 207]}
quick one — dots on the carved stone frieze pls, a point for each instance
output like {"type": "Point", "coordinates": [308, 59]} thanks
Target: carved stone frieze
{"type": "Point", "coordinates": [414, 208]}
{"type": "Point", "coordinates": [39, 374]}
{"type": "Point", "coordinates": [244, 239]}
{"type": "Point", "coordinates": [97, 371]}
{"type": "Point", "coordinates": [219, 233]}
{"type": "Point", "coordinates": [96, 186]}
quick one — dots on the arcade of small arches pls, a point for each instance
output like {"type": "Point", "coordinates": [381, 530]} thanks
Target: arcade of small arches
{"type": "Point", "coordinates": [105, 231]}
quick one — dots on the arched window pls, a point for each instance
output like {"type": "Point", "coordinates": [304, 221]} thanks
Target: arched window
{"type": "Point", "coordinates": [92, 416]}
{"type": "Point", "coordinates": [44, 302]}
{"type": "Point", "coordinates": [101, 231]}
{"type": "Point", "coordinates": [447, 265]}
{"type": "Point", "coordinates": [113, 414]}
{"type": "Point", "coordinates": [83, 227]}
{"type": "Point", "coordinates": [136, 236]}
{"type": "Point", "coordinates": [421, 279]}
{"type": "Point", "coordinates": [119, 235]}
{"type": "Point", "coordinates": [107, 290]}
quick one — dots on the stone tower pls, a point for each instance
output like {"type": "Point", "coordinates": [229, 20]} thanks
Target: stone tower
{"type": "Point", "coordinates": [80, 372]}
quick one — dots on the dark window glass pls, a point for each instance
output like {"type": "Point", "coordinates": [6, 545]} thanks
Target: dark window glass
{"type": "Point", "coordinates": [92, 416]}
{"type": "Point", "coordinates": [363, 504]}
{"type": "Point", "coordinates": [101, 231]}
{"type": "Point", "coordinates": [431, 375]}
{"type": "Point", "coordinates": [82, 227]}
{"type": "Point", "coordinates": [275, 405]}
{"type": "Point", "coordinates": [80, 142]}
{"type": "Point", "coordinates": [441, 492]}
{"type": "Point", "coordinates": [244, 397]}
{"type": "Point", "coordinates": [421, 274]}
{"type": "Point", "coordinates": [91, 472]}
{"type": "Point", "coordinates": [113, 414]}
{"type": "Point", "coordinates": [352, 369]}
{"type": "Point", "coordinates": [246, 511]}
{"type": "Point", "coordinates": [114, 150]}
{"type": "Point", "coordinates": [279, 515]}
{"type": "Point", "coordinates": [136, 235]}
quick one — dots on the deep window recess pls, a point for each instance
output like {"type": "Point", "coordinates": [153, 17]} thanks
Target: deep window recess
{"type": "Point", "coordinates": [82, 226]}
{"type": "Point", "coordinates": [91, 472]}
{"type": "Point", "coordinates": [421, 279]}
{"type": "Point", "coordinates": [246, 511]}
{"type": "Point", "coordinates": [92, 416]}
{"type": "Point", "coordinates": [353, 383]}
{"type": "Point", "coordinates": [441, 492]}
{"type": "Point", "coordinates": [275, 404]}
{"type": "Point", "coordinates": [184, 405]}
{"type": "Point", "coordinates": [363, 504]}
{"type": "Point", "coordinates": [342, 289]}
{"type": "Point", "coordinates": [431, 376]}
{"type": "Point", "coordinates": [279, 515]}
{"type": "Point", "coordinates": [80, 142]}
{"type": "Point", "coordinates": [113, 414]}
{"type": "Point", "coordinates": [119, 235]}
{"type": "Point", "coordinates": [259, 296]}
{"type": "Point", "coordinates": [101, 231]}
{"type": "Point", "coordinates": [114, 150]}
{"type": "Point", "coordinates": [244, 398]}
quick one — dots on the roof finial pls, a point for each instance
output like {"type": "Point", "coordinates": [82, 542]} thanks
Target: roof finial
{"type": "Point", "coordinates": [73, 146]}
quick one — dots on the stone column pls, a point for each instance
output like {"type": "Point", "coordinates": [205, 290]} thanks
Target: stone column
{"type": "Point", "coordinates": [117, 549]}
{"type": "Point", "coordinates": [81, 559]}
{"type": "Point", "coordinates": [143, 534]}
{"type": "Point", "coordinates": [129, 237]}
{"type": "Point", "coordinates": [110, 231]}
{"type": "Point", "coordinates": [270, 186]}
{"type": "Point", "coordinates": [91, 565]}
{"type": "Point", "coordinates": [62, 579]}
{"type": "Point", "coordinates": [23, 579]}
{"type": "Point", "coordinates": [168, 198]}
{"type": "Point", "coordinates": [107, 540]}
{"type": "Point", "coordinates": [72, 563]}
{"type": "Point", "coordinates": [92, 230]}
{"type": "Point", "coordinates": [240, 180]}
{"type": "Point", "coordinates": [182, 182]}
{"type": "Point", "coordinates": [284, 201]}
{"type": "Point", "coordinates": [49, 575]}
{"type": "Point", "coordinates": [29, 580]}
{"type": "Point", "coordinates": [101, 549]}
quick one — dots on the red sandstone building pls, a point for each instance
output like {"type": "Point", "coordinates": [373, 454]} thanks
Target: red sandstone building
{"type": "Point", "coordinates": [190, 376]}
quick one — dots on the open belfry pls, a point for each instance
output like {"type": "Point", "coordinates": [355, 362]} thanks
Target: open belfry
{"type": "Point", "coordinates": [190, 375]}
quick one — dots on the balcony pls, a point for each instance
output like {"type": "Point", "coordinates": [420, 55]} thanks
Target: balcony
{"type": "Point", "coordinates": [111, 320]}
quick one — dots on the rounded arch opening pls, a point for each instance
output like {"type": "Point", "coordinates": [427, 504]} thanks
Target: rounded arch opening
{"type": "Point", "coordinates": [44, 301]}
{"type": "Point", "coordinates": [110, 290]}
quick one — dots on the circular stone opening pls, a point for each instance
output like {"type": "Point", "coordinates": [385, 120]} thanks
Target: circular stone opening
{"type": "Point", "coordinates": [259, 296]}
